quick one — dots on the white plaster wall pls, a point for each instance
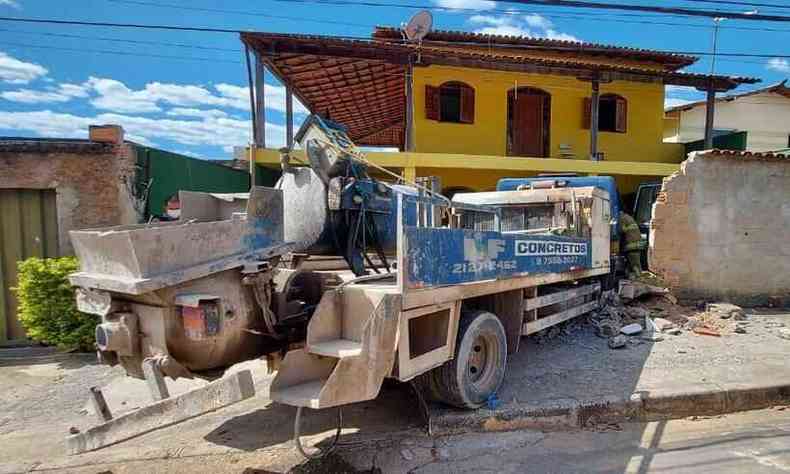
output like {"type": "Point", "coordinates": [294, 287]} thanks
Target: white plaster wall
{"type": "Point", "coordinates": [766, 118]}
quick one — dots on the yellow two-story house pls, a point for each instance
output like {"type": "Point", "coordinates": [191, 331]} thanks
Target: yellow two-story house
{"type": "Point", "coordinates": [472, 108]}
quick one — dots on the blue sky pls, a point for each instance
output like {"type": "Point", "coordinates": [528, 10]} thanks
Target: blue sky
{"type": "Point", "coordinates": [56, 80]}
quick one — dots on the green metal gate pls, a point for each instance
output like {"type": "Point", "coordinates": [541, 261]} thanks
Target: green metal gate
{"type": "Point", "coordinates": [28, 228]}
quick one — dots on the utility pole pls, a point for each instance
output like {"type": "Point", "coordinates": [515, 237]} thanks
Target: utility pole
{"type": "Point", "coordinates": [716, 23]}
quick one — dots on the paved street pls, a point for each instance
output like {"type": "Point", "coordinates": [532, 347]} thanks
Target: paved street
{"type": "Point", "coordinates": [44, 394]}
{"type": "Point", "coordinates": [754, 442]}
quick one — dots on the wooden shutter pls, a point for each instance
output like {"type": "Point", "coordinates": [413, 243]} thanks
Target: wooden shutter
{"type": "Point", "coordinates": [621, 120]}
{"type": "Point", "coordinates": [587, 113]}
{"type": "Point", "coordinates": [432, 103]}
{"type": "Point", "coordinates": [467, 104]}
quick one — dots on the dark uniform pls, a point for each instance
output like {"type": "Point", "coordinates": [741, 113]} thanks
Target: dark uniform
{"type": "Point", "coordinates": [633, 243]}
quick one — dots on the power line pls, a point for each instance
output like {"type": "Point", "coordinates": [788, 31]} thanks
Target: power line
{"type": "Point", "coordinates": [216, 60]}
{"type": "Point", "coordinates": [740, 3]}
{"type": "Point", "coordinates": [221, 30]}
{"type": "Point", "coordinates": [201, 29]}
{"type": "Point", "coordinates": [655, 9]}
{"type": "Point", "coordinates": [119, 53]}
{"type": "Point", "coordinates": [119, 25]}
{"type": "Point", "coordinates": [553, 14]}
{"type": "Point", "coordinates": [239, 12]}
{"type": "Point", "coordinates": [119, 40]}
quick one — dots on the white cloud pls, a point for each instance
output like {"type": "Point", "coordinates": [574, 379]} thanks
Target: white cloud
{"type": "Point", "coordinates": [114, 95]}
{"type": "Point", "coordinates": [556, 35]}
{"type": "Point", "coordinates": [675, 90]}
{"type": "Point", "coordinates": [62, 93]}
{"type": "Point", "coordinates": [779, 64]}
{"type": "Point", "coordinates": [15, 71]}
{"type": "Point", "coordinates": [466, 4]}
{"type": "Point", "coordinates": [10, 3]}
{"type": "Point", "coordinates": [680, 95]}
{"type": "Point", "coordinates": [187, 153]}
{"type": "Point", "coordinates": [536, 21]}
{"type": "Point", "coordinates": [674, 102]}
{"type": "Point", "coordinates": [532, 25]}
{"type": "Point", "coordinates": [504, 30]}
{"type": "Point", "coordinates": [274, 97]}
{"type": "Point", "coordinates": [221, 132]}
{"type": "Point", "coordinates": [199, 113]}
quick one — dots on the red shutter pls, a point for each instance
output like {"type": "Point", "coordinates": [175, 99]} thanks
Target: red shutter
{"type": "Point", "coordinates": [621, 120]}
{"type": "Point", "coordinates": [587, 113]}
{"type": "Point", "coordinates": [467, 104]}
{"type": "Point", "coordinates": [432, 105]}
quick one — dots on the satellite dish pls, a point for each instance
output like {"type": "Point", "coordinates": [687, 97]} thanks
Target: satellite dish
{"type": "Point", "coordinates": [418, 26]}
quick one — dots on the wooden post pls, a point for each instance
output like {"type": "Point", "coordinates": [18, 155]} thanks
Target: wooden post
{"type": "Point", "coordinates": [260, 102]}
{"type": "Point", "coordinates": [253, 115]}
{"type": "Point", "coordinates": [289, 117]}
{"type": "Point", "coordinates": [408, 139]}
{"type": "Point", "coordinates": [594, 102]}
{"type": "Point", "coordinates": [709, 117]}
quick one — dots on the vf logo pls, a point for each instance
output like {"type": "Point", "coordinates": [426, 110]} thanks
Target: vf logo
{"type": "Point", "coordinates": [475, 251]}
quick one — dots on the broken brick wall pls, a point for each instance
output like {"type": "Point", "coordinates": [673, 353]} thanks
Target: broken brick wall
{"type": "Point", "coordinates": [92, 188]}
{"type": "Point", "coordinates": [721, 229]}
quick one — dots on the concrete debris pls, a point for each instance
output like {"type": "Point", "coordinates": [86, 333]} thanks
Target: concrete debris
{"type": "Point", "coordinates": [630, 290]}
{"type": "Point", "coordinates": [740, 329]}
{"type": "Point", "coordinates": [610, 298]}
{"type": "Point", "coordinates": [691, 324]}
{"type": "Point", "coordinates": [618, 342]}
{"type": "Point", "coordinates": [567, 331]}
{"type": "Point", "coordinates": [726, 311]}
{"type": "Point", "coordinates": [631, 329]}
{"type": "Point", "coordinates": [607, 329]}
{"type": "Point", "coordinates": [407, 454]}
{"type": "Point", "coordinates": [784, 333]}
{"type": "Point", "coordinates": [673, 332]}
{"type": "Point", "coordinates": [671, 298]}
{"type": "Point", "coordinates": [706, 331]}
{"type": "Point", "coordinates": [652, 337]}
{"type": "Point", "coordinates": [636, 312]}
{"type": "Point", "coordinates": [662, 324]}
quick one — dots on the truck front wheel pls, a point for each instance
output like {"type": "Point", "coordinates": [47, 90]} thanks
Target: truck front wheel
{"type": "Point", "coordinates": [478, 369]}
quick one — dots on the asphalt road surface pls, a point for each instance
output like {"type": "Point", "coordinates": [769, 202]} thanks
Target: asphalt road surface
{"type": "Point", "coordinates": [754, 442]}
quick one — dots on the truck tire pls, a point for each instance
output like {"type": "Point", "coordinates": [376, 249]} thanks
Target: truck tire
{"type": "Point", "coordinates": [478, 368]}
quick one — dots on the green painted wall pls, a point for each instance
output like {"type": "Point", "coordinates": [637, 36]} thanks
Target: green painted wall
{"type": "Point", "coordinates": [169, 173]}
{"type": "Point", "coordinates": [729, 141]}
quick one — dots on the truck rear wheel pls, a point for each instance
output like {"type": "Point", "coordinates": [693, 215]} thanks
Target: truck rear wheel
{"type": "Point", "coordinates": [478, 369]}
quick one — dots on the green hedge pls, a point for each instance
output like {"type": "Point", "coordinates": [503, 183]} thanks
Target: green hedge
{"type": "Point", "coordinates": [47, 304]}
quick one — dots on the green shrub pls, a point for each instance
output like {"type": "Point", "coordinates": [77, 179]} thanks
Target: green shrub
{"type": "Point", "coordinates": [47, 305]}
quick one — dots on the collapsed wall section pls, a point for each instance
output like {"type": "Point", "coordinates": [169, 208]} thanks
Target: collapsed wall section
{"type": "Point", "coordinates": [721, 228]}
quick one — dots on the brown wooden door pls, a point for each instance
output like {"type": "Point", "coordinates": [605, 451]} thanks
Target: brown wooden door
{"type": "Point", "coordinates": [527, 132]}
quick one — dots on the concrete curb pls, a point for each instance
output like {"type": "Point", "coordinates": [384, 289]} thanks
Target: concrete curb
{"type": "Point", "coordinates": [565, 414]}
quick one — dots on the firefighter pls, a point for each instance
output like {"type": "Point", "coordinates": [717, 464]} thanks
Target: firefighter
{"type": "Point", "coordinates": [632, 244]}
